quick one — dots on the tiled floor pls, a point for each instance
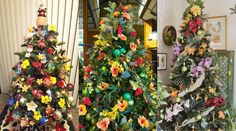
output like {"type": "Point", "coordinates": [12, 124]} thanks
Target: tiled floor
{"type": "Point", "coordinates": [4, 97]}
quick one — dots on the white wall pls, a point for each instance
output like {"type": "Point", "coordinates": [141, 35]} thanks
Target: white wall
{"type": "Point", "coordinates": [17, 15]}
{"type": "Point", "coordinates": [172, 14]}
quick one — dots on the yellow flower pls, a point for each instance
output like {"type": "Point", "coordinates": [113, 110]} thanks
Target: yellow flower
{"type": "Point", "coordinates": [37, 115]}
{"type": "Point", "coordinates": [41, 56]}
{"type": "Point", "coordinates": [24, 88]}
{"type": "Point", "coordinates": [122, 105]}
{"type": "Point", "coordinates": [112, 115]}
{"type": "Point", "coordinates": [39, 81]}
{"type": "Point", "coordinates": [196, 10]}
{"type": "Point", "coordinates": [82, 110]}
{"type": "Point", "coordinates": [45, 99]}
{"type": "Point", "coordinates": [104, 113]}
{"type": "Point", "coordinates": [116, 13]}
{"type": "Point", "coordinates": [31, 123]}
{"type": "Point", "coordinates": [221, 115]}
{"type": "Point", "coordinates": [53, 80]}
{"type": "Point", "coordinates": [16, 105]}
{"type": "Point", "coordinates": [25, 64]}
{"type": "Point", "coordinates": [103, 86]}
{"type": "Point", "coordinates": [143, 122]}
{"type": "Point", "coordinates": [62, 102]}
{"type": "Point", "coordinates": [67, 67]}
{"type": "Point", "coordinates": [52, 27]}
{"type": "Point", "coordinates": [100, 42]}
{"type": "Point", "coordinates": [30, 29]}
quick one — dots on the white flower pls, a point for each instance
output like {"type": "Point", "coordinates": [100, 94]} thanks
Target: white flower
{"type": "Point", "coordinates": [186, 103]}
{"type": "Point", "coordinates": [169, 114]}
{"type": "Point", "coordinates": [31, 106]}
{"type": "Point", "coordinates": [27, 54]}
{"type": "Point", "coordinates": [177, 108]}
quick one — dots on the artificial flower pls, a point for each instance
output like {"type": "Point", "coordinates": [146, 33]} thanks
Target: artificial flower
{"type": "Point", "coordinates": [114, 71]}
{"type": "Point", "coordinates": [24, 122]}
{"type": "Point", "coordinates": [176, 49]}
{"type": "Point", "coordinates": [37, 115]}
{"type": "Point", "coordinates": [80, 126]}
{"type": "Point", "coordinates": [27, 54]}
{"type": "Point", "coordinates": [198, 21]}
{"type": "Point", "coordinates": [86, 101]}
{"type": "Point", "coordinates": [16, 105]}
{"type": "Point", "coordinates": [103, 21]}
{"type": "Point", "coordinates": [122, 105]}
{"type": "Point", "coordinates": [52, 27]}
{"type": "Point", "coordinates": [41, 43]}
{"type": "Point", "coordinates": [101, 42]}
{"type": "Point", "coordinates": [29, 81]}
{"type": "Point", "coordinates": [133, 34]}
{"type": "Point", "coordinates": [212, 90]}
{"type": "Point", "coordinates": [88, 69]}
{"type": "Point", "coordinates": [203, 45]}
{"type": "Point", "coordinates": [174, 93]}
{"type": "Point", "coordinates": [82, 110]}
{"type": "Point", "coordinates": [30, 29]}
{"type": "Point", "coordinates": [138, 91]}
{"type": "Point", "coordinates": [112, 115]}
{"type": "Point", "coordinates": [168, 114]}
{"type": "Point", "coordinates": [30, 48]}
{"type": "Point", "coordinates": [116, 68]}
{"type": "Point", "coordinates": [25, 63]}
{"type": "Point", "coordinates": [196, 10]}
{"type": "Point", "coordinates": [47, 81]}
{"type": "Point", "coordinates": [53, 80]}
{"type": "Point", "coordinates": [40, 56]}
{"type": "Point", "coordinates": [177, 108]}
{"type": "Point", "coordinates": [140, 61]}
{"type": "Point", "coordinates": [200, 51]}
{"type": "Point", "coordinates": [216, 101]}
{"type": "Point", "coordinates": [39, 81]}
{"type": "Point", "coordinates": [126, 15]}
{"type": "Point", "coordinates": [116, 13]}
{"type": "Point", "coordinates": [190, 51]}
{"type": "Point", "coordinates": [143, 122]}
{"type": "Point", "coordinates": [122, 37]}
{"type": "Point", "coordinates": [62, 102]}
{"type": "Point", "coordinates": [103, 124]}
{"type": "Point", "coordinates": [221, 115]}
{"type": "Point", "coordinates": [60, 127]}
{"type": "Point", "coordinates": [50, 50]}
{"type": "Point", "coordinates": [45, 99]}
{"type": "Point", "coordinates": [61, 84]}
{"type": "Point", "coordinates": [119, 29]}
{"type": "Point", "coordinates": [151, 86]}
{"type": "Point", "coordinates": [31, 106]}
{"type": "Point", "coordinates": [205, 62]}
{"type": "Point", "coordinates": [67, 67]}
{"type": "Point", "coordinates": [25, 88]}
{"type": "Point", "coordinates": [196, 71]}
{"type": "Point", "coordinates": [37, 64]}
{"type": "Point", "coordinates": [133, 46]}
{"type": "Point", "coordinates": [103, 86]}
{"type": "Point", "coordinates": [31, 123]}
{"type": "Point", "coordinates": [100, 56]}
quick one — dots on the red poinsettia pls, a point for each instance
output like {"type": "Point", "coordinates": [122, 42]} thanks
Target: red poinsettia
{"type": "Point", "coordinates": [216, 101]}
{"type": "Point", "coordinates": [100, 56]}
{"type": "Point", "coordinates": [140, 61]}
{"type": "Point", "coordinates": [37, 64]}
{"type": "Point", "coordinates": [60, 127]}
{"type": "Point", "coordinates": [61, 84]}
{"type": "Point", "coordinates": [119, 30]}
{"type": "Point", "coordinates": [133, 34]}
{"type": "Point", "coordinates": [138, 91]}
{"type": "Point", "coordinates": [50, 50]}
{"type": "Point", "coordinates": [86, 101]}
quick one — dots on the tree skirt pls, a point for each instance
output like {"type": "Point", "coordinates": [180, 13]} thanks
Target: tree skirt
{"type": "Point", "coordinates": [15, 125]}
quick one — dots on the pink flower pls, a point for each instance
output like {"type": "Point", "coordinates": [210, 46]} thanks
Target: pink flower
{"type": "Point", "coordinates": [41, 43]}
{"type": "Point", "coordinates": [119, 30]}
{"type": "Point", "coordinates": [122, 37]}
{"type": "Point", "coordinates": [198, 22]}
{"type": "Point", "coordinates": [133, 46]}
{"type": "Point", "coordinates": [126, 15]}
{"type": "Point", "coordinates": [103, 124]}
{"type": "Point", "coordinates": [87, 101]}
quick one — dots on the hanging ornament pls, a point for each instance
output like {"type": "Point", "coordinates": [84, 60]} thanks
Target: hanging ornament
{"type": "Point", "coordinates": [122, 50]}
{"type": "Point", "coordinates": [69, 87]}
{"type": "Point", "coordinates": [138, 91]}
{"type": "Point", "coordinates": [43, 120]}
{"type": "Point", "coordinates": [127, 96]}
{"type": "Point", "coordinates": [125, 74]}
{"type": "Point", "coordinates": [199, 117]}
{"type": "Point", "coordinates": [88, 117]}
{"type": "Point", "coordinates": [116, 52]}
{"type": "Point", "coordinates": [51, 66]}
{"type": "Point", "coordinates": [93, 121]}
{"type": "Point", "coordinates": [11, 101]}
{"type": "Point", "coordinates": [184, 68]}
{"type": "Point", "coordinates": [50, 50]}
{"type": "Point", "coordinates": [57, 115]}
{"type": "Point", "coordinates": [143, 75]}
{"type": "Point", "coordinates": [131, 102]}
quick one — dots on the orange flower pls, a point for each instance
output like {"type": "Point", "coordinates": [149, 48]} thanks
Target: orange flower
{"type": "Point", "coordinates": [200, 51]}
{"type": "Point", "coordinates": [191, 51]}
{"type": "Point", "coordinates": [114, 71]}
{"type": "Point", "coordinates": [133, 46]}
{"type": "Point", "coordinates": [103, 86]}
{"type": "Point", "coordinates": [103, 124]}
{"type": "Point", "coordinates": [116, 13]}
{"type": "Point", "coordinates": [126, 15]}
{"type": "Point", "coordinates": [122, 106]}
{"type": "Point", "coordinates": [82, 110]}
{"type": "Point", "coordinates": [221, 115]}
{"type": "Point", "coordinates": [102, 22]}
{"type": "Point", "coordinates": [122, 37]}
{"type": "Point", "coordinates": [143, 122]}
{"type": "Point", "coordinates": [204, 45]}
{"type": "Point", "coordinates": [174, 93]}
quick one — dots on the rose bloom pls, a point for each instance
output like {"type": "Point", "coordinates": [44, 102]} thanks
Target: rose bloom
{"type": "Point", "coordinates": [122, 37]}
{"type": "Point", "coordinates": [103, 124]}
{"type": "Point", "coordinates": [133, 46]}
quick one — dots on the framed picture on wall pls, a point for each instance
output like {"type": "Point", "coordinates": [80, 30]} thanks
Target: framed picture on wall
{"type": "Point", "coordinates": [217, 27]}
{"type": "Point", "coordinates": [161, 61]}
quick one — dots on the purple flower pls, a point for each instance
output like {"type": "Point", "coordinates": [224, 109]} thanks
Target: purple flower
{"type": "Point", "coordinates": [177, 108]}
{"type": "Point", "coordinates": [196, 71]}
{"type": "Point", "coordinates": [176, 49]}
{"type": "Point", "coordinates": [169, 114]}
{"type": "Point", "coordinates": [205, 62]}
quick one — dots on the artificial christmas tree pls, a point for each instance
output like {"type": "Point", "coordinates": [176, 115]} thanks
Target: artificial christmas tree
{"type": "Point", "coordinates": [40, 95]}
{"type": "Point", "coordinates": [196, 99]}
{"type": "Point", "coordinates": [119, 91]}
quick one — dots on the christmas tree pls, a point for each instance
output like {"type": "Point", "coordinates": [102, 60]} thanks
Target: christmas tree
{"type": "Point", "coordinates": [196, 99]}
{"type": "Point", "coordinates": [39, 92]}
{"type": "Point", "coordinates": [119, 91]}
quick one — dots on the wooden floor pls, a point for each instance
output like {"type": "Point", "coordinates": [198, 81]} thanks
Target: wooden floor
{"type": "Point", "coordinates": [4, 97]}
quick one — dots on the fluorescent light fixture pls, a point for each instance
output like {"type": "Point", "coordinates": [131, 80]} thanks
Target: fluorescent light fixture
{"type": "Point", "coordinates": [142, 6]}
{"type": "Point", "coordinates": [152, 36]}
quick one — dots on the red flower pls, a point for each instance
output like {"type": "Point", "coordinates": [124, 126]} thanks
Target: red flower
{"type": "Point", "coordinates": [138, 91]}
{"type": "Point", "coordinates": [192, 25]}
{"type": "Point", "coordinates": [119, 30]}
{"type": "Point", "coordinates": [86, 101]}
{"type": "Point", "coordinates": [37, 64]}
{"type": "Point", "coordinates": [140, 61]}
{"type": "Point", "coordinates": [216, 101]}
{"type": "Point", "coordinates": [29, 80]}
{"type": "Point", "coordinates": [187, 33]}
{"type": "Point", "coordinates": [100, 56]}
{"type": "Point", "coordinates": [133, 34]}
{"type": "Point", "coordinates": [50, 50]}
{"type": "Point", "coordinates": [60, 127]}
{"type": "Point", "coordinates": [61, 84]}
{"type": "Point", "coordinates": [88, 69]}
{"type": "Point", "coordinates": [9, 118]}
{"type": "Point", "coordinates": [198, 21]}
{"type": "Point", "coordinates": [194, 30]}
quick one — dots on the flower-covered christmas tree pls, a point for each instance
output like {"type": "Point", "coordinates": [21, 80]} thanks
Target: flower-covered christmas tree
{"type": "Point", "coordinates": [119, 91]}
{"type": "Point", "coordinates": [39, 92]}
{"type": "Point", "coordinates": [196, 99]}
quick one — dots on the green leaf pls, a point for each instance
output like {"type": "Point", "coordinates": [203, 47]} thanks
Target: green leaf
{"type": "Point", "coordinates": [108, 9]}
